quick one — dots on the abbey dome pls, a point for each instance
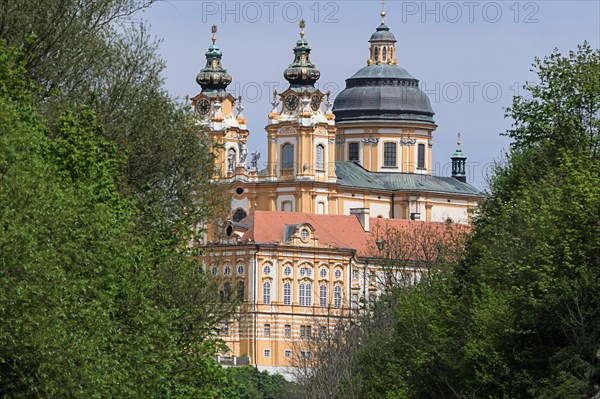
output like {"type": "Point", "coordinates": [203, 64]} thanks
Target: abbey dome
{"type": "Point", "coordinates": [382, 91]}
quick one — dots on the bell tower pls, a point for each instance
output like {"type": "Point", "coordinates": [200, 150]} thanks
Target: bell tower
{"type": "Point", "coordinates": [301, 129]}
{"type": "Point", "coordinates": [214, 108]}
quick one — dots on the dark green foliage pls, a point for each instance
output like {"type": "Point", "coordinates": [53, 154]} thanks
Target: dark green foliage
{"type": "Point", "coordinates": [253, 384]}
{"type": "Point", "coordinates": [88, 302]}
{"type": "Point", "coordinates": [518, 316]}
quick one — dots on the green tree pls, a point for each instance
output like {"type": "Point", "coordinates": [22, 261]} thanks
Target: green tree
{"type": "Point", "coordinates": [517, 316]}
{"type": "Point", "coordinates": [87, 301]}
{"type": "Point", "coordinates": [98, 55]}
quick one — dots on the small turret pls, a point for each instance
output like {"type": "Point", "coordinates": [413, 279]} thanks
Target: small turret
{"type": "Point", "coordinates": [459, 161]}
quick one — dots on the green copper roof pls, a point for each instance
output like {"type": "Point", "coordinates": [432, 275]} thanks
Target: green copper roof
{"type": "Point", "coordinates": [351, 174]}
{"type": "Point", "coordinates": [382, 34]}
{"type": "Point", "coordinates": [213, 78]}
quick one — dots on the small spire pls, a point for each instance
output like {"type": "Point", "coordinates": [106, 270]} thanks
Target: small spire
{"type": "Point", "coordinates": [382, 11]}
{"type": "Point", "coordinates": [213, 29]}
{"type": "Point", "coordinates": [302, 26]}
{"type": "Point", "coordinates": [458, 141]}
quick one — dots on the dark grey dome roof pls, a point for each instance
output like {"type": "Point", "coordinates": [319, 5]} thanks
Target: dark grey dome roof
{"type": "Point", "coordinates": [382, 34]}
{"type": "Point", "coordinates": [382, 92]}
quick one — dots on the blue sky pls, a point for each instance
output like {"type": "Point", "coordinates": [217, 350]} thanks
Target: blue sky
{"type": "Point", "coordinates": [470, 56]}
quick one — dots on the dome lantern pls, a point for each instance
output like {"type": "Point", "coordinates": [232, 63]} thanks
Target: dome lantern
{"type": "Point", "coordinates": [383, 91]}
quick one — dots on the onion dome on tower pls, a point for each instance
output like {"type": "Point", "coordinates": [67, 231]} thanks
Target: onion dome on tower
{"type": "Point", "coordinates": [382, 91]}
{"type": "Point", "coordinates": [302, 74]}
{"type": "Point", "coordinates": [213, 78]}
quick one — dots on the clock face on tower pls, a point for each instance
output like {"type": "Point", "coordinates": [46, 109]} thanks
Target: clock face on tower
{"type": "Point", "coordinates": [291, 102]}
{"type": "Point", "coordinates": [204, 107]}
{"type": "Point", "coordinates": [315, 102]}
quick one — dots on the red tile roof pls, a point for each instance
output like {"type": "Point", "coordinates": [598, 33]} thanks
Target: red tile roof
{"type": "Point", "coordinates": [339, 231]}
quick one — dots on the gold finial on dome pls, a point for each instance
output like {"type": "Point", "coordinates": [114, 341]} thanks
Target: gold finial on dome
{"type": "Point", "coordinates": [213, 29]}
{"type": "Point", "coordinates": [302, 26]}
{"type": "Point", "coordinates": [382, 11]}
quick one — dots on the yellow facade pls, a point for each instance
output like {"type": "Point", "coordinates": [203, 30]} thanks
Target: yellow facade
{"type": "Point", "coordinates": [340, 171]}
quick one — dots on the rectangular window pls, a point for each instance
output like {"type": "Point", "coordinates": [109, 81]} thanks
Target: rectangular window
{"type": "Point", "coordinates": [287, 354]}
{"type": "Point", "coordinates": [308, 331]}
{"type": "Point", "coordinates": [287, 156]}
{"type": "Point", "coordinates": [323, 295]}
{"type": "Point", "coordinates": [224, 328]}
{"type": "Point", "coordinates": [302, 331]}
{"type": "Point", "coordinates": [301, 295]}
{"type": "Point", "coordinates": [352, 151]}
{"type": "Point", "coordinates": [287, 294]}
{"type": "Point", "coordinates": [267, 353]}
{"type": "Point", "coordinates": [322, 332]}
{"type": "Point", "coordinates": [354, 274]}
{"type": "Point", "coordinates": [337, 296]}
{"type": "Point", "coordinates": [421, 156]}
{"type": "Point", "coordinates": [287, 331]}
{"type": "Point", "coordinates": [389, 154]}
{"type": "Point", "coordinates": [267, 330]}
{"type": "Point", "coordinates": [266, 293]}
{"type": "Point", "coordinates": [305, 354]}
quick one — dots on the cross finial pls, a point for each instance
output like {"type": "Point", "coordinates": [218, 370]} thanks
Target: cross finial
{"type": "Point", "coordinates": [302, 26]}
{"type": "Point", "coordinates": [382, 11]}
{"type": "Point", "coordinates": [213, 29]}
{"type": "Point", "coordinates": [458, 141]}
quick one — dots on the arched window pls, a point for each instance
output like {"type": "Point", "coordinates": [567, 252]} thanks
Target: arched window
{"type": "Point", "coordinates": [227, 270]}
{"type": "Point", "coordinates": [240, 270]}
{"type": "Point", "coordinates": [320, 208]}
{"type": "Point", "coordinates": [337, 296]}
{"type": "Point", "coordinates": [214, 270]}
{"type": "Point", "coordinates": [323, 272]}
{"type": "Point", "coordinates": [287, 156]}
{"type": "Point", "coordinates": [320, 158]}
{"type": "Point", "coordinates": [287, 271]}
{"type": "Point", "coordinates": [376, 54]}
{"type": "Point", "coordinates": [323, 295]}
{"type": "Point", "coordinates": [239, 214]}
{"type": "Point", "coordinates": [267, 270]}
{"type": "Point", "coordinates": [308, 294]}
{"type": "Point", "coordinates": [266, 293]}
{"type": "Point", "coordinates": [287, 294]}
{"type": "Point", "coordinates": [227, 290]}
{"type": "Point", "coordinates": [384, 54]}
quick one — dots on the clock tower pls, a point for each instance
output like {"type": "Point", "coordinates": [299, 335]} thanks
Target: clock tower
{"type": "Point", "coordinates": [301, 129]}
{"type": "Point", "coordinates": [214, 108]}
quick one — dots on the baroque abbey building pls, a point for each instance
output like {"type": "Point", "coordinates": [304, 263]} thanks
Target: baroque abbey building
{"type": "Point", "coordinates": [299, 249]}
